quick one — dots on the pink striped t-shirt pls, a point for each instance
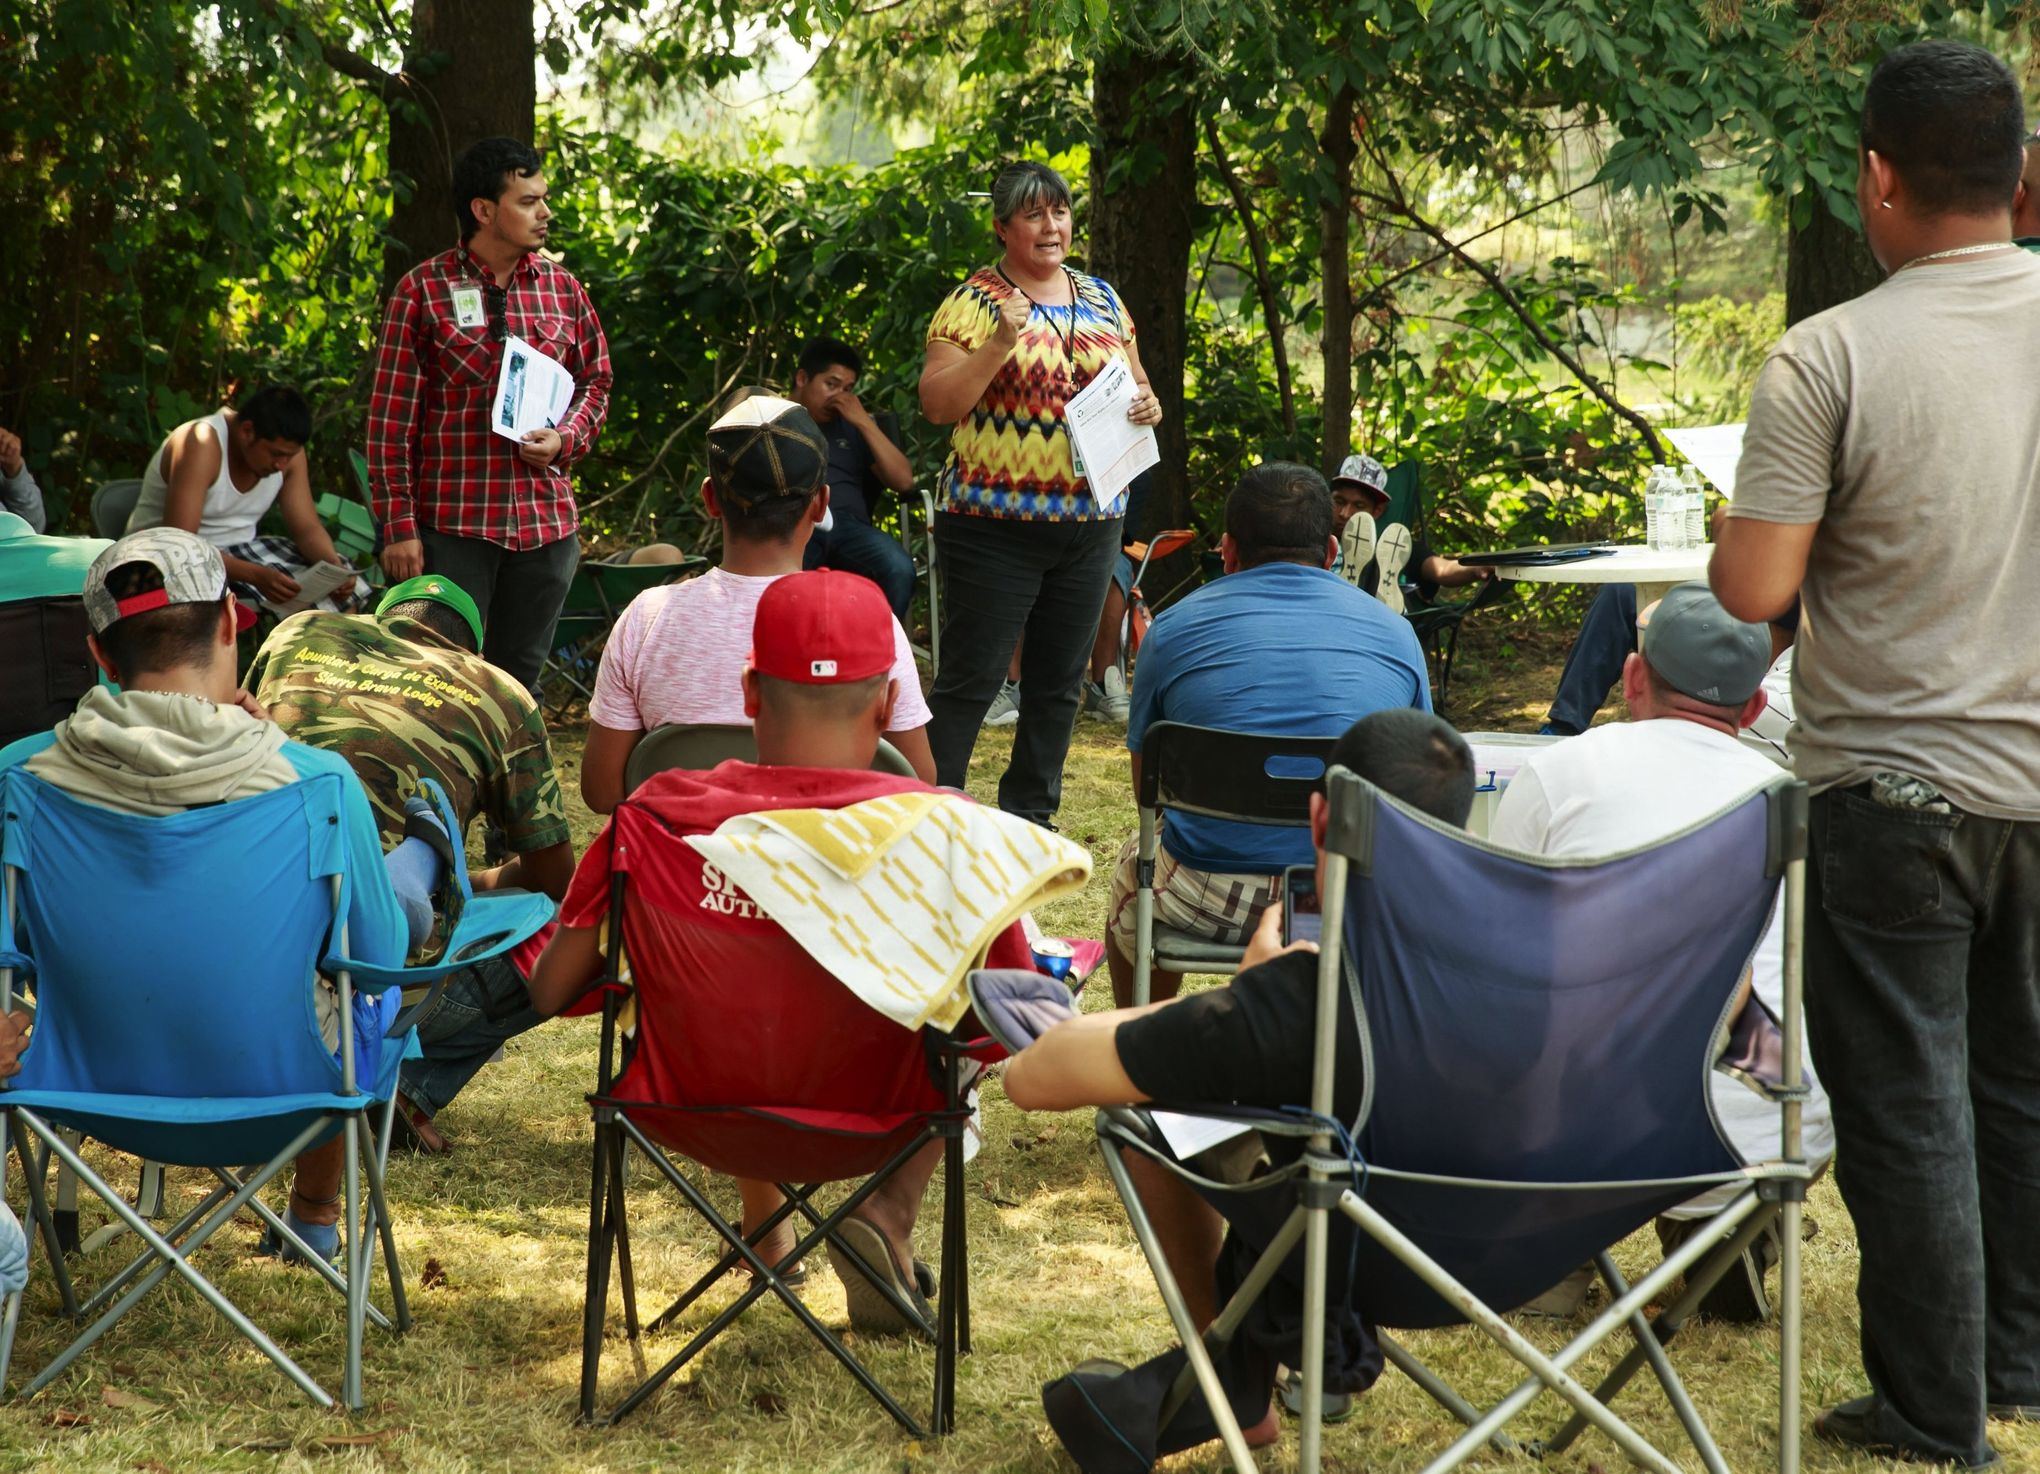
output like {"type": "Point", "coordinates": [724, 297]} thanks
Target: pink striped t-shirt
{"type": "Point", "coordinates": [679, 652]}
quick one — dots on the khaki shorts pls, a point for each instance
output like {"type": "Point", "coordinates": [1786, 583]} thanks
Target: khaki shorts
{"type": "Point", "coordinates": [1218, 907]}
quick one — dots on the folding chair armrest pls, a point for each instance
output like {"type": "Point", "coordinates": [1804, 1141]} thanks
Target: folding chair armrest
{"type": "Point", "coordinates": [490, 926]}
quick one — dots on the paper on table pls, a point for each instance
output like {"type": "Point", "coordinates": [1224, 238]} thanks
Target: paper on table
{"type": "Point", "coordinates": [532, 391]}
{"type": "Point", "coordinates": [1715, 449]}
{"type": "Point", "coordinates": [315, 583]}
{"type": "Point", "coordinates": [1111, 449]}
{"type": "Point", "coordinates": [1189, 1135]}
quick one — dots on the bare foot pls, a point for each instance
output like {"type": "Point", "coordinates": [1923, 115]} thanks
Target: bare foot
{"type": "Point", "coordinates": [1265, 1432]}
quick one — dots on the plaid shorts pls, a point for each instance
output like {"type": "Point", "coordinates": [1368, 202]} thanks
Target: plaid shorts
{"type": "Point", "coordinates": [1220, 908]}
{"type": "Point", "coordinates": [281, 554]}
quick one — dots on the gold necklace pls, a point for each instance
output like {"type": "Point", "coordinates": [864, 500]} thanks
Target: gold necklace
{"type": "Point", "coordinates": [1953, 252]}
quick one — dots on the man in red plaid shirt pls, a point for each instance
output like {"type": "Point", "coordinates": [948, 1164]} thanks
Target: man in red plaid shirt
{"type": "Point", "coordinates": [495, 516]}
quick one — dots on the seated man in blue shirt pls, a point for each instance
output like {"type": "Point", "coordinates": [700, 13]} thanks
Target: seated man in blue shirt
{"type": "Point", "coordinates": [865, 461]}
{"type": "Point", "coordinates": [181, 734]}
{"type": "Point", "coordinates": [1282, 646]}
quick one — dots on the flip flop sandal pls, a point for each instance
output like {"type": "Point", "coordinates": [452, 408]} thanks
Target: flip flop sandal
{"type": "Point", "coordinates": [870, 1310]}
{"type": "Point", "coordinates": [1289, 1391]}
{"type": "Point", "coordinates": [1391, 556]}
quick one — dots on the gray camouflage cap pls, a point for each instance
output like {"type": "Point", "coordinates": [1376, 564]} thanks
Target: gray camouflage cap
{"type": "Point", "coordinates": [192, 570]}
{"type": "Point", "coordinates": [1363, 471]}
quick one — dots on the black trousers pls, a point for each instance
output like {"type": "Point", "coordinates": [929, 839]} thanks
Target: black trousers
{"type": "Point", "coordinates": [1002, 576]}
{"type": "Point", "coordinates": [1923, 1009]}
{"type": "Point", "coordinates": [519, 594]}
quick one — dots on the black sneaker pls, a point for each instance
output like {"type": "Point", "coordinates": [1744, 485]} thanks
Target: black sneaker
{"type": "Point", "coordinates": [1853, 1424]}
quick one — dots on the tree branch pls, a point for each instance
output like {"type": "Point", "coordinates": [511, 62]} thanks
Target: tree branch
{"type": "Point", "coordinates": [1399, 203]}
{"type": "Point", "coordinates": [1264, 280]}
{"type": "Point", "coordinates": [389, 86]}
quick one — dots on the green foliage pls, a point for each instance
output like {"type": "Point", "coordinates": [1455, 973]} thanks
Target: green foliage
{"type": "Point", "coordinates": [1730, 340]}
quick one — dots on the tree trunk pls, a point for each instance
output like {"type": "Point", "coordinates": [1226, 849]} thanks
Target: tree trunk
{"type": "Point", "coordinates": [1335, 245]}
{"type": "Point", "coordinates": [1826, 263]}
{"type": "Point", "coordinates": [469, 74]}
{"type": "Point", "coordinates": [1143, 213]}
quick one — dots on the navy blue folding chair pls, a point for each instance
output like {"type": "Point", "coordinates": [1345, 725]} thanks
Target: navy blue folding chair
{"type": "Point", "coordinates": [200, 1046]}
{"type": "Point", "coordinates": [1538, 1037]}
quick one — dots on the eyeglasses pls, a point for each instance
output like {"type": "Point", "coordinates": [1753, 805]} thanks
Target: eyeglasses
{"type": "Point", "coordinates": [499, 325]}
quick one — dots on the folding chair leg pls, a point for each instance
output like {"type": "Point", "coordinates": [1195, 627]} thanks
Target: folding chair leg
{"type": "Point", "coordinates": [1440, 1391]}
{"type": "Point", "coordinates": [65, 1215]}
{"type": "Point", "coordinates": [1789, 1326]}
{"type": "Point", "coordinates": [385, 1232]}
{"type": "Point", "coordinates": [1675, 1390]}
{"type": "Point", "coordinates": [768, 1280]}
{"type": "Point", "coordinates": [596, 1305]}
{"type": "Point", "coordinates": [1668, 1322]}
{"type": "Point", "coordinates": [173, 1259]}
{"type": "Point", "coordinates": [107, 1292]}
{"type": "Point", "coordinates": [626, 1279]}
{"type": "Point", "coordinates": [1548, 1371]}
{"type": "Point", "coordinates": [356, 1254]}
{"type": "Point", "coordinates": [35, 1177]}
{"type": "Point", "coordinates": [10, 1320]}
{"type": "Point", "coordinates": [795, 1197]}
{"type": "Point", "coordinates": [947, 1320]}
{"type": "Point", "coordinates": [1179, 1313]}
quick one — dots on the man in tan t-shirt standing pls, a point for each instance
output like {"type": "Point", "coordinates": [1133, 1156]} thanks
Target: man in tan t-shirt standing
{"type": "Point", "coordinates": [1891, 481]}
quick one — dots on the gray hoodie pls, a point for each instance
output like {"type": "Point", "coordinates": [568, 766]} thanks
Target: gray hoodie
{"type": "Point", "coordinates": [155, 752]}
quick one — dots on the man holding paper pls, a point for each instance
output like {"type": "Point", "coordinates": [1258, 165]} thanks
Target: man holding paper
{"type": "Point", "coordinates": [1028, 534]}
{"type": "Point", "coordinates": [485, 331]}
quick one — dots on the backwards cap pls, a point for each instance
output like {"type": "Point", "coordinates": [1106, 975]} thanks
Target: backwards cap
{"type": "Point", "coordinates": [193, 573]}
{"type": "Point", "coordinates": [765, 450]}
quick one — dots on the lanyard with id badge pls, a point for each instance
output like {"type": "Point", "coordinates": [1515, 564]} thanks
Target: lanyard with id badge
{"type": "Point", "coordinates": [467, 307]}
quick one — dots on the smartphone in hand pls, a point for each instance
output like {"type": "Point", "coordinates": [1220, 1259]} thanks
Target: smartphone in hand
{"type": "Point", "coordinates": [1302, 912]}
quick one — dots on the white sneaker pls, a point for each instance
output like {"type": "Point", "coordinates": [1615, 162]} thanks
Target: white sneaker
{"type": "Point", "coordinates": [1108, 698]}
{"type": "Point", "coordinates": [1005, 708]}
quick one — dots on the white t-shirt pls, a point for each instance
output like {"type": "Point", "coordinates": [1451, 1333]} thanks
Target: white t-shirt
{"type": "Point", "coordinates": [679, 652]}
{"type": "Point", "coordinates": [1628, 784]}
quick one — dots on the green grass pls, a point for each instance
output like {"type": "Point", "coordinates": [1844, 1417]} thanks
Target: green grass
{"type": "Point", "coordinates": [493, 1240]}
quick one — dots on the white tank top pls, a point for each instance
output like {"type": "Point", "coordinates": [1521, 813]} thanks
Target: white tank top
{"type": "Point", "coordinates": [228, 515]}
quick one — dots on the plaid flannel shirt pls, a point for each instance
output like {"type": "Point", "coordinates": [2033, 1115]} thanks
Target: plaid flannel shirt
{"type": "Point", "coordinates": [432, 459]}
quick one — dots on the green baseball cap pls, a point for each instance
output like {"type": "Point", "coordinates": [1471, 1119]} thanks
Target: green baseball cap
{"type": "Point", "coordinates": [440, 590]}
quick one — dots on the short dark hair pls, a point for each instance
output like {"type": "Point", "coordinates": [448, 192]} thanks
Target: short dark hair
{"type": "Point", "coordinates": [277, 412]}
{"type": "Point", "coordinates": [483, 172]}
{"type": "Point", "coordinates": [804, 701]}
{"type": "Point", "coordinates": [1023, 184]}
{"type": "Point", "coordinates": [817, 355]}
{"type": "Point", "coordinates": [447, 623]}
{"type": "Point", "coordinates": [1413, 756]}
{"type": "Point", "coordinates": [1950, 118]}
{"type": "Point", "coordinates": [1280, 512]}
{"type": "Point", "coordinates": [156, 639]}
{"type": "Point", "coordinates": [771, 520]}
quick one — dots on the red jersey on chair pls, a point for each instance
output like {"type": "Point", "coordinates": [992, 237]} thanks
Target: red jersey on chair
{"type": "Point", "coordinates": [748, 1056]}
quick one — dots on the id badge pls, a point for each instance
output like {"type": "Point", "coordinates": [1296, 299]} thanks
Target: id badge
{"type": "Point", "coordinates": [467, 306]}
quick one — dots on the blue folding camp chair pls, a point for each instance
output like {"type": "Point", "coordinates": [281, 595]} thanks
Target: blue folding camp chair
{"type": "Point", "coordinates": [200, 1047]}
{"type": "Point", "coordinates": [1538, 1037]}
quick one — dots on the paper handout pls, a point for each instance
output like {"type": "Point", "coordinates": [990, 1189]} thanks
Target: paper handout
{"type": "Point", "coordinates": [1111, 449]}
{"type": "Point", "coordinates": [316, 583]}
{"type": "Point", "coordinates": [1715, 449]}
{"type": "Point", "coordinates": [532, 391]}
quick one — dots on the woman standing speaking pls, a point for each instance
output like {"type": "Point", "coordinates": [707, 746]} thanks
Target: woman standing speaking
{"type": "Point", "coordinates": [1024, 545]}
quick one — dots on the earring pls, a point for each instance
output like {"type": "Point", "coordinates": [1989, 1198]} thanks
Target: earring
{"type": "Point", "coordinates": [1884, 204]}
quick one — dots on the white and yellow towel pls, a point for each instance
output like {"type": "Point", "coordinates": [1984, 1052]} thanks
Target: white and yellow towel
{"type": "Point", "coordinates": [897, 897]}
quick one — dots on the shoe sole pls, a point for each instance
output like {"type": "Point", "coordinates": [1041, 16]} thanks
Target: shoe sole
{"type": "Point", "coordinates": [870, 1311]}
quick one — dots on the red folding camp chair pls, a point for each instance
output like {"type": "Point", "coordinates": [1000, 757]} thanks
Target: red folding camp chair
{"type": "Point", "coordinates": [749, 1059]}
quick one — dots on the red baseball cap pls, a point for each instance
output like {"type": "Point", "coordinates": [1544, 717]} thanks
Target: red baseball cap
{"type": "Point", "coordinates": [822, 628]}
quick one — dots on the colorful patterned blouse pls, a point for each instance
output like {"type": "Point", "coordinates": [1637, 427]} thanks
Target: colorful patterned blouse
{"type": "Point", "coordinates": [1010, 456]}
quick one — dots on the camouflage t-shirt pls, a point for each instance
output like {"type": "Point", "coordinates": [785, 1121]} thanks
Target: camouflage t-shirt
{"type": "Point", "coordinates": [400, 703]}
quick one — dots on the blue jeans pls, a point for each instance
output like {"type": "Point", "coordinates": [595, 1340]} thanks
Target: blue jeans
{"type": "Point", "coordinates": [460, 1035]}
{"type": "Point", "coordinates": [858, 547]}
{"type": "Point", "coordinates": [1606, 637]}
{"type": "Point", "coordinates": [1923, 1010]}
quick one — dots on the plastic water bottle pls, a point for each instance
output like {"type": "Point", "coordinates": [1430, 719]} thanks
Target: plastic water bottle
{"type": "Point", "coordinates": [1653, 496]}
{"type": "Point", "coordinates": [1696, 508]}
{"type": "Point", "coordinates": [1664, 511]}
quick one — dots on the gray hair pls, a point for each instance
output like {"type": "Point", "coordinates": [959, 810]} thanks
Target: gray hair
{"type": "Point", "coordinates": [1023, 185]}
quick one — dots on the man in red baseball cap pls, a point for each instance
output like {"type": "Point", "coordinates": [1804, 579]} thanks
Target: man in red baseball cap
{"type": "Point", "coordinates": [819, 692]}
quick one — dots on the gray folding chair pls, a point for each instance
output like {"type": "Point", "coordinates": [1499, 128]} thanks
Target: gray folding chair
{"type": "Point", "coordinates": [1536, 1035]}
{"type": "Point", "coordinates": [686, 745]}
{"type": "Point", "coordinates": [1242, 776]}
{"type": "Point", "coordinates": [112, 504]}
